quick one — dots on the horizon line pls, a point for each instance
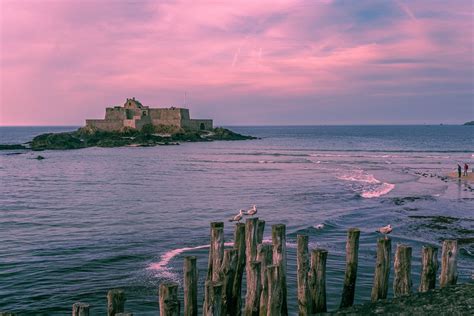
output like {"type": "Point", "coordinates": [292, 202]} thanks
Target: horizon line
{"type": "Point", "coordinates": [283, 125]}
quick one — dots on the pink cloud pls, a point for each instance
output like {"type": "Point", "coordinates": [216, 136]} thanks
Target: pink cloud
{"type": "Point", "coordinates": [63, 61]}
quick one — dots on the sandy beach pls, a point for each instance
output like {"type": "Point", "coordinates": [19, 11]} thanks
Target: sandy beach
{"type": "Point", "coordinates": [469, 177]}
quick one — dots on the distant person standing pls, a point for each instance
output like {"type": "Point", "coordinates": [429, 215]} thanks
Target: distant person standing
{"type": "Point", "coordinates": [459, 171]}
{"type": "Point", "coordinates": [466, 169]}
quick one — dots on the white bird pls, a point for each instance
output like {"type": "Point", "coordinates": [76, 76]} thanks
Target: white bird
{"type": "Point", "coordinates": [237, 217]}
{"type": "Point", "coordinates": [319, 226]}
{"type": "Point", "coordinates": [385, 230]}
{"type": "Point", "coordinates": [252, 211]}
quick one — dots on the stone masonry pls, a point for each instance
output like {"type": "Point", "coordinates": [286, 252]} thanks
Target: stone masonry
{"type": "Point", "coordinates": [133, 114]}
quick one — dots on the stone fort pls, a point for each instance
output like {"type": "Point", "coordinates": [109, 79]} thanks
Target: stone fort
{"type": "Point", "coordinates": [135, 115]}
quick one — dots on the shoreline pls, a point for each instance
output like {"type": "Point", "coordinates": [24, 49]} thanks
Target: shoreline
{"type": "Point", "coordinates": [469, 177]}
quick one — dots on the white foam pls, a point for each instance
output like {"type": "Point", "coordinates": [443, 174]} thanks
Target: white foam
{"type": "Point", "coordinates": [379, 191]}
{"type": "Point", "coordinates": [359, 176]}
{"type": "Point", "coordinates": [374, 187]}
{"type": "Point", "coordinates": [161, 267]}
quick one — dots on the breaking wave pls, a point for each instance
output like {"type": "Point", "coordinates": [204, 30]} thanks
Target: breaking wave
{"type": "Point", "coordinates": [162, 269]}
{"type": "Point", "coordinates": [368, 186]}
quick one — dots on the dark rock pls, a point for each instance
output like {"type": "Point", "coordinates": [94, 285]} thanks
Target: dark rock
{"type": "Point", "coordinates": [452, 300]}
{"type": "Point", "coordinates": [84, 137]}
{"type": "Point", "coordinates": [12, 146]}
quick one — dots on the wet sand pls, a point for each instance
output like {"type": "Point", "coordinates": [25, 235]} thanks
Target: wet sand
{"type": "Point", "coordinates": [469, 177]}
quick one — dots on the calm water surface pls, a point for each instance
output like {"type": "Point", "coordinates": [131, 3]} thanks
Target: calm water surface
{"type": "Point", "coordinates": [84, 221]}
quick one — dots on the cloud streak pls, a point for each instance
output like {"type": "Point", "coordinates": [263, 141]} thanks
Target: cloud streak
{"type": "Point", "coordinates": [63, 61]}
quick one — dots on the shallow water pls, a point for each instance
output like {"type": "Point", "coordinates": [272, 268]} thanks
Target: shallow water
{"type": "Point", "coordinates": [84, 221]}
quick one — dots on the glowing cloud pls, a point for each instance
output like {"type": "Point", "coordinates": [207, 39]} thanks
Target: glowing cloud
{"type": "Point", "coordinates": [260, 61]}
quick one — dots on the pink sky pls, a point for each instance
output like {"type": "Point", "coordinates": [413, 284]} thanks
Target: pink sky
{"type": "Point", "coordinates": [240, 62]}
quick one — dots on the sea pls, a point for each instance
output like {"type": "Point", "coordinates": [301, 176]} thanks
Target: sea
{"type": "Point", "coordinates": [81, 222]}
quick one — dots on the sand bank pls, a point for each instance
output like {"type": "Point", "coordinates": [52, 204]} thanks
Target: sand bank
{"type": "Point", "coordinates": [469, 177]}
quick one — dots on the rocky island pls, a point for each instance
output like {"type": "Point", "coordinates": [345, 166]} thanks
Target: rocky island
{"type": "Point", "coordinates": [134, 124]}
{"type": "Point", "coordinates": [469, 123]}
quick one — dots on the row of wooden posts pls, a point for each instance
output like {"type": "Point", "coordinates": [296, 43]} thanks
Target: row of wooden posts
{"type": "Point", "coordinates": [265, 266]}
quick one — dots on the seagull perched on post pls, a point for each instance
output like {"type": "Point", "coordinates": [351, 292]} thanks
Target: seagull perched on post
{"type": "Point", "coordinates": [252, 211]}
{"type": "Point", "coordinates": [385, 230]}
{"type": "Point", "coordinates": [237, 217]}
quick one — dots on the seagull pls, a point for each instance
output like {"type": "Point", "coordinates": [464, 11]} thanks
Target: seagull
{"type": "Point", "coordinates": [252, 211]}
{"type": "Point", "coordinates": [385, 230]}
{"type": "Point", "coordinates": [237, 217]}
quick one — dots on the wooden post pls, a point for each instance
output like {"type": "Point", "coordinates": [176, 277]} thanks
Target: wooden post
{"type": "Point", "coordinates": [317, 281]}
{"type": "Point", "coordinates": [80, 309]}
{"type": "Point", "coordinates": [251, 227]}
{"type": "Point", "coordinates": [279, 258]}
{"type": "Point", "coordinates": [213, 295]}
{"type": "Point", "coordinates": [252, 299]}
{"type": "Point", "coordinates": [216, 251]}
{"type": "Point", "coordinates": [264, 256]}
{"type": "Point", "coordinates": [402, 266]}
{"type": "Point", "coordinates": [429, 263]}
{"type": "Point", "coordinates": [275, 291]}
{"type": "Point", "coordinates": [235, 308]}
{"type": "Point", "coordinates": [260, 231]}
{"type": "Point", "coordinates": [115, 302]}
{"type": "Point", "coordinates": [352, 253]}
{"type": "Point", "coordinates": [229, 266]}
{"type": "Point", "coordinates": [449, 270]}
{"type": "Point", "coordinates": [251, 236]}
{"type": "Point", "coordinates": [382, 269]}
{"type": "Point", "coordinates": [190, 286]}
{"type": "Point", "coordinates": [169, 302]}
{"type": "Point", "coordinates": [302, 263]}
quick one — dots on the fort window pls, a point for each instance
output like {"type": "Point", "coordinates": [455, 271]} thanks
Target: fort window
{"type": "Point", "coordinates": [144, 113]}
{"type": "Point", "coordinates": [202, 127]}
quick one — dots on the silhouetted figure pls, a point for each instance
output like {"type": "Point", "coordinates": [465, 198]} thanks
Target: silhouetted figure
{"type": "Point", "coordinates": [459, 170]}
{"type": "Point", "coordinates": [466, 169]}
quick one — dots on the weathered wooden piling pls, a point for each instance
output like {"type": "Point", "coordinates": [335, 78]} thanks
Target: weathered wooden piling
{"type": "Point", "coordinates": [227, 275]}
{"type": "Point", "coordinates": [252, 298]}
{"type": "Point", "coordinates": [429, 268]}
{"type": "Point", "coordinates": [239, 244]}
{"type": "Point", "coordinates": [168, 298]}
{"type": "Point", "coordinates": [190, 272]}
{"type": "Point", "coordinates": [382, 269]}
{"type": "Point", "coordinates": [80, 309]}
{"type": "Point", "coordinates": [352, 253]}
{"type": "Point", "coordinates": [216, 251]}
{"type": "Point", "coordinates": [279, 258]}
{"type": "Point", "coordinates": [115, 302]}
{"type": "Point", "coordinates": [213, 296]}
{"type": "Point", "coordinates": [449, 270]}
{"type": "Point", "coordinates": [317, 281]}
{"type": "Point", "coordinates": [302, 263]}
{"type": "Point", "coordinates": [264, 256]}
{"type": "Point", "coordinates": [275, 291]}
{"type": "Point", "coordinates": [260, 231]}
{"type": "Point", "coordinates": [251, 236]}
{"type": "Point", "coordinates": [402, 283]}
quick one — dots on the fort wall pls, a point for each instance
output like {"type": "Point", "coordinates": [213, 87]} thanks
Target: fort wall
{"type": "Point", "coordinates": [135, 115]}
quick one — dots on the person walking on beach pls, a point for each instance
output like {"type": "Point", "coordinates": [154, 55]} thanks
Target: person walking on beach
{"type": "Point", "coordinates": [459, 171]}
{"type": "Point", "coordinates": [466, 169]}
